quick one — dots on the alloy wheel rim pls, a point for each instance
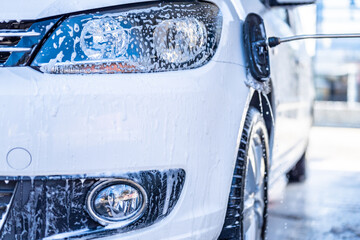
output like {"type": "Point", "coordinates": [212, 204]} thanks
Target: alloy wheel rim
{"type": "Point", "coordinates": [253, 210]}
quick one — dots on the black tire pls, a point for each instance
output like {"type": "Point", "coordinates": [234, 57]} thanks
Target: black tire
{"type": "Point", "coordinates": [298, 173]}
{"type": "Point", "coordinates": [235, 219]}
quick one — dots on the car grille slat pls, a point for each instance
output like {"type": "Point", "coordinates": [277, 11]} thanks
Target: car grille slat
{"type": "Point", "coordinates": [14, 49]}
{"type": "Point", "coordinates": [18, 33]}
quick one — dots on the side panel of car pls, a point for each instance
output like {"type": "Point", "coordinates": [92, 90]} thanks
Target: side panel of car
{"type": "Point", "coordinates": [290, 79]}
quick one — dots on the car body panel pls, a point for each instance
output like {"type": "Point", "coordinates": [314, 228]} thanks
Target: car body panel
{"type": "Point", "coordinates": [36, 9]}
{"type": "Point", "coordinates": [70, 125]}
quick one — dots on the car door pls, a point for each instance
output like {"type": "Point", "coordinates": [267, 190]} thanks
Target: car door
{"type": "Point", "coordinates": [284, 62]}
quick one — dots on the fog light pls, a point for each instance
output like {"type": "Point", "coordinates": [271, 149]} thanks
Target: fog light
{"type": "Point", "coordinates": [116, 201]}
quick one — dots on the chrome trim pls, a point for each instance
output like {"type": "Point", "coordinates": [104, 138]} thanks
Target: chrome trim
{"type": "Point", "coordinates": [118, 223]}
{"type": "Point", "coordinates": [9, 33]}
{"type": "Point", "coordinates": [14, 49]}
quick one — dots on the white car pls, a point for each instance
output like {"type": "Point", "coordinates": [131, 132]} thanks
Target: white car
{"type": "Point", "coordinates": [129, 119]}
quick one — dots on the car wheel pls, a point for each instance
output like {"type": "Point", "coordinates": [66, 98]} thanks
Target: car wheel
{"type": "Point", "coordinates": [247, 206]}
{"type": "Point", "coordinates": [298, 172]}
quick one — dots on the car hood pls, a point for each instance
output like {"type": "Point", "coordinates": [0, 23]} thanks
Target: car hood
{"type": "Point", "coordinates": [35, 9]}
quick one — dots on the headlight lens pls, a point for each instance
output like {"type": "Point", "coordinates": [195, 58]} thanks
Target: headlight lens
{"type": "Point", "coordinates": [180, 40]}
{"type": "Point", "coordinates": [152, 38]}
{"type": "Point", "coordinates": [103, 39]}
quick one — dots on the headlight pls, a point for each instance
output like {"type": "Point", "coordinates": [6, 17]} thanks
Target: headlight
{"type": "Point", "coordinates": [147, 38]}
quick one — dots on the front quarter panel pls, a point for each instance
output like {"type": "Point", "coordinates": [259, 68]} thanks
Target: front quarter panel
{"type": "Point", "coordinates": [113, 124]}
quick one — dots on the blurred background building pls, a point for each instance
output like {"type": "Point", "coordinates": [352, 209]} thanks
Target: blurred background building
{"type": "Point", "coordinates": [337, 64]}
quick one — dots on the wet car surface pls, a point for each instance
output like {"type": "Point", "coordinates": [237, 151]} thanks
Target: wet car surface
{"type": "Point", "coordinates": [327, 205]}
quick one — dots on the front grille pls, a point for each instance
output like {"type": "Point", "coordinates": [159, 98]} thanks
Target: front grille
{"type": "Point", "coordinates": [19, 39]}
{"type": "Point", "coordinates": [7, 189]}
{"type": "Point", "coordinates": [9, 41]}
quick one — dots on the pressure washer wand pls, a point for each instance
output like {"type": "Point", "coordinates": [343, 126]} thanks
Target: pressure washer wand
{"type": "Point", "coordinates": [274, 41]}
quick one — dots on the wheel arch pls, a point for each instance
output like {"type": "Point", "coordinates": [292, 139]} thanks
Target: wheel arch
{"type": "Point", "coordinates": [231, 229]}
{"type": "Point", "coordinates": [259, 102]}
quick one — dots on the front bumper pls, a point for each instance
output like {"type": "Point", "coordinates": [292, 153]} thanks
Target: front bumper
{"type": "Point", "coordinates": [97, 125]}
